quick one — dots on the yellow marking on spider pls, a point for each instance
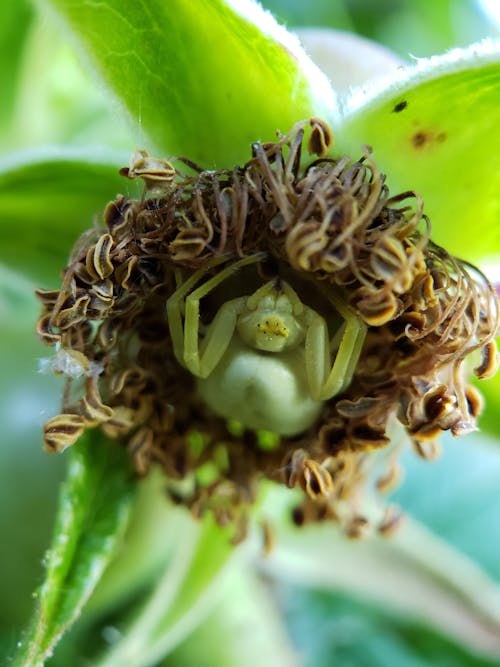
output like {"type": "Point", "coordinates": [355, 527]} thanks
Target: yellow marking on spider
{"type": "Point", "coordinates": [274, 326]}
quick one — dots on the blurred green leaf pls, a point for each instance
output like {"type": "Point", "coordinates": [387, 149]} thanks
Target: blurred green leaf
{"type": "Point", "coordinates": [252, 629]}
{"type": "Point", "coordinates": [489, 421]}
{"type": "Point", "coordinates": [408, 27]}
{"type": "Point", "coordinates": [15, 22]}
{"type": "Point", "coordinates": [57, 102]}
{"type": "Point", "coordinates": [184, 595]}
{"type": "Point", "coordinates": [47, 198]}
{"type": "Point", "coordinates": [93, 512]}
{"type": "Point", "coordinates": [420, 28]}
{"type": "Point", "coordinates": [149, 544]}
{"type": "Point", "coordinates": [296, 13]}
{"type": "Point", "coordinates": [416, 572]}
{"type": "Point", "coordinates": [457, 497]}
{"type": "Point", "coordinates": [333, 629]}
{"type": "Point", "coordinates": [202, 79]}
{"type": "Point", "coordinates": [29, 478]}
{"type": "Point", "coordinates": [436, 131]}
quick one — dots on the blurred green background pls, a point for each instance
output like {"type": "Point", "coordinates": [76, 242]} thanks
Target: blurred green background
{"type": "Point", "coordinates": [48, 99]}
{"type": "Point", "coordinates": [409, 27]}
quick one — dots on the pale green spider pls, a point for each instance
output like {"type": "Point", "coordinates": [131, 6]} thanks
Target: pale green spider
{"type": "Point", "coordinates": [266, 359]}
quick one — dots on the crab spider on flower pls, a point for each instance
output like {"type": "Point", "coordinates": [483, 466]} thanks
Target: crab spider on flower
{"type": "Point", "coordinates": [267, 359]}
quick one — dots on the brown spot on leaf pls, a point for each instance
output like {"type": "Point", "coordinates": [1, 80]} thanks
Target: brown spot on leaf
{"type": "Point", "coordinates": [423, 138]}
{"type": "Point", "coordinates": [400, 106]}
{"type": "Point", "coordinates": [419, 139]}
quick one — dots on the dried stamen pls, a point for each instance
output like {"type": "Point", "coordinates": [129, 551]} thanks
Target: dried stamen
{"type": "Point", "coordinates": [332, 231]}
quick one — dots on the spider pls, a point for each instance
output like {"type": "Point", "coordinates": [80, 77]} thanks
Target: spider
{"type": "Point", "coordinates": [266, 358]}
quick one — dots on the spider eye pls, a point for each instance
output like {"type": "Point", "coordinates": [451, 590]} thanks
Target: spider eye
{"type": "Point", "coordinates": [283, 304]}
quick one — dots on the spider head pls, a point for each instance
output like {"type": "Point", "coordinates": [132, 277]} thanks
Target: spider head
{"type": "Point", "coordinates": [269, 321]}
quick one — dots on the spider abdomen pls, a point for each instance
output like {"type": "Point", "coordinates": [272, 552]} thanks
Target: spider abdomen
{"type": "Point", "coordinates": [263, 391]}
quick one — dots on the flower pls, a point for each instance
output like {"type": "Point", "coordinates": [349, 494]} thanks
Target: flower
{"type": "Point", "coordinates": [413, 142]}
{"type": "Point", "coordinates": [331, 229]}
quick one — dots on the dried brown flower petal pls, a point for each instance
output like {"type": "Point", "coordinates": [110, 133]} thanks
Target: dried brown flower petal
{"type": "Point", "coordinates": [102, 256]}
{"type": "Point", "coordinates": [475, 401]}
{"type": "Point", "coordinates": [320, 139]}
{"type": "Point", "coordinates": [358, 528]}
{"type": "Point", "coordinates": [390, 478]}
{"type": "Point", "coordinates": [73, 314]}
{"type": "Point", "coordinates": [141, 449]}
{"type": "Point", "coordinates": [489, 361]}
{"type": "Point", "coordinates": [92, 409]}
{"type": "Point", "coordinates": [45, 330]}
{"type": "Point", "coordinates": [156, 173]}
{"type": "Point", "coordinates": [391, 522]}
{"type": "Point", "coordinates": [62, 431]}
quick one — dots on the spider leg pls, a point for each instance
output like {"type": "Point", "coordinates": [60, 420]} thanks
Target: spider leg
{"type": "Point", "coordinates": [355, 354]}
{"type": "Point", "coordinates": [352, 340]}
{"type": "Point", "coordinates": [317, 353]}
{"type": "Point", "coordinates": [219, 334]}
{"type": "Point", "coordinates": [175, 308]}
{"type": "Point", "coordinates": [185, 339]}
{"type": "Point", "coordinates": [326, 379]}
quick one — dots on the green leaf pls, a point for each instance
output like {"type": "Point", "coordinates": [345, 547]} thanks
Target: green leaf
{"type": "Point", "coordinates": [47, 198]}
{"type": "Point", "coordinates": [56, 101]}
{"type": "Point", "coordinates": [15, 21]}
{"type": "Point", "coordinates": [414, 572]}
{"type": "Point", "coordinates": [250, 623]}
{"type": "Point", "coordinates": [334, 629]}
{"type": "Point", "coordinates": [187, 591]}
{"type": "Point", "coordinates": [27, 473]}
{"type": "Point", "coordinates": [149, 543]}
{"type": "Point", "coordinates": [202, 79]}
{"type": "Point", "coordinates": [457, 497]}
{"type": "Point", "coordinates": [490, 389]}
{"type": "Point", "coordinates": [436, 131]}
{"type": "Point", "coordinates": [93, 512]}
